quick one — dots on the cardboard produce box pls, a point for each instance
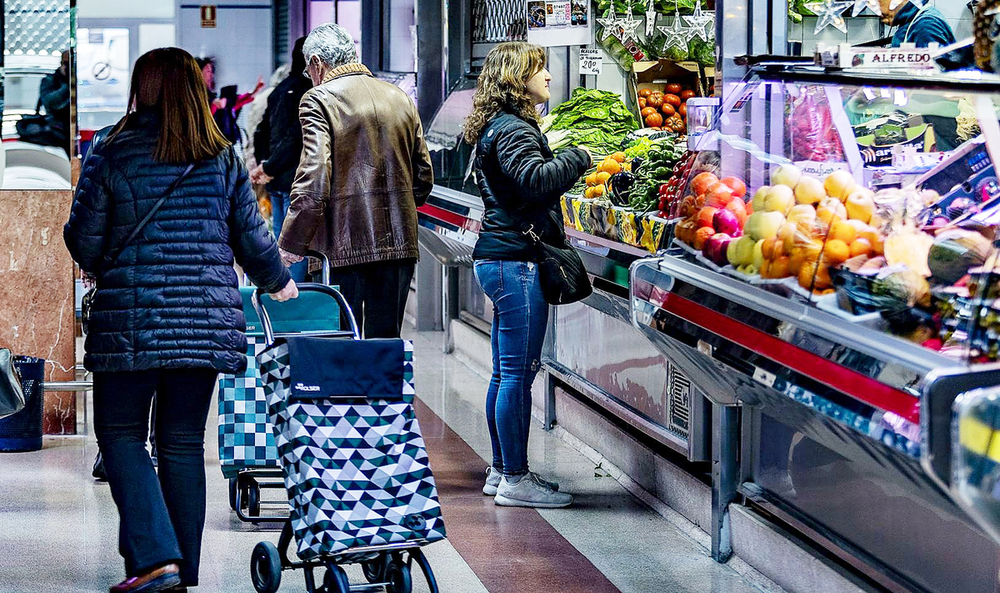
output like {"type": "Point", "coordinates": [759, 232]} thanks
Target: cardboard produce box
{"type": "Point", "coordinates": [657, 75]}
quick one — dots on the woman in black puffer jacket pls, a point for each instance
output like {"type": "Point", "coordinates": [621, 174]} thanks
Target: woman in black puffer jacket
{"type": "Point", "coordinates": [168, 316]}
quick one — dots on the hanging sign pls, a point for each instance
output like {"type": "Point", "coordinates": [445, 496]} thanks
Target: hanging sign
{"type": "Point", "coordinates": [559, 22]}
{"type": "Point", "coordinates": [590, 61]}
{"type": "Point", "coordinates": [208, 17]}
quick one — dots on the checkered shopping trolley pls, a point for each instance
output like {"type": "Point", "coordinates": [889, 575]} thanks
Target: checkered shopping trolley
{"type": "Point", "coordinates": [248, 454]}
{"type": "Point", "coordinates": [359, 481]}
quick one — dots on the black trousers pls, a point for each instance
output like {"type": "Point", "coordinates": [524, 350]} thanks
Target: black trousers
{"type": "Point", "coordinates": [377, 294]}
{"type": "Point", "coordinates": [161, 517]}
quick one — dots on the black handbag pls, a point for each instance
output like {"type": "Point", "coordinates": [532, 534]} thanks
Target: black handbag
{"type": "Point", "coordinates": [42, 129]}
{"type": "Point", "coordinates": [112, 256]}
{"type": "Point", "coordinates": [561, 272]}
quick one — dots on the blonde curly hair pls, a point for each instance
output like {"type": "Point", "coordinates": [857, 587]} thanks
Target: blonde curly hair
{"type": "Point", "coordinates": [503, 83]}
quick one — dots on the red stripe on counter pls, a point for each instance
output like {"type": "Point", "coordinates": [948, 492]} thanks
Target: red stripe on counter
{"type": "Point", "coordinates": [806, 363]}
{"type": "Point", "coordinates": [444, 215]}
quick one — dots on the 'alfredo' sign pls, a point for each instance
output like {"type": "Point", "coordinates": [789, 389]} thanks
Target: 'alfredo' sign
{"type": "Point", "coordinates": [888, 58]}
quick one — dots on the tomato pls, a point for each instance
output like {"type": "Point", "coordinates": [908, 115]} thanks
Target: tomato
{"type": "Point", "coordinates": [685, 95]}
{"type": "Point", "coordinates": [647, 112]}
{"type": "Point", "coordinates": [683, 110]}
{"type": "Point", "coordinates": [642, 103]}
{"type": "Point", "coordinates": [674, 88]}
{"type": "Point", "coordinates": [736, 184]}
{"type": "Point", "coordinates": [676, 124]}
{"type": "Point", "coordinates": [668, 111]}
{"type": "Point", "coordinates": [645, 93]}
{"type": "Point", "coordinates": [703, 181]}
{"type": "Point", "coordinates": [655, 101]}
{"type": "Point", "coordinates": [672, 100]}
{"type": "Point", "coordinates": [654, 120]}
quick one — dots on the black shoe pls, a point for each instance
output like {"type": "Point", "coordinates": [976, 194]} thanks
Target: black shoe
{"type": "Point", "coordinates": [98, 472]}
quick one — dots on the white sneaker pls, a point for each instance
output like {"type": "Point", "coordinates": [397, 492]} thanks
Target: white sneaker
{"type": "Point", "coordinates": [529, 492]}
{"type": "Point", "coordinates": [493, 478]}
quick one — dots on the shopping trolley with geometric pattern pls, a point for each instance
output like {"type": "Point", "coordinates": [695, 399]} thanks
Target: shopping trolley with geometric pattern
{"type": "Point", "coordinates": [248, 454]}
{"type": "Point", "coordinates": [359, 481]}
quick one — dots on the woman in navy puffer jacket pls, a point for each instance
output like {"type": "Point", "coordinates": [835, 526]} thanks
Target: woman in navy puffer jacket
{"type": "Point", "coordinates": [168, 316]}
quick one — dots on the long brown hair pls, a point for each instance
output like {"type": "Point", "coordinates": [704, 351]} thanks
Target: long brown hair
{"type": "Point", "coordinates": [503, 83]}
{"type": "Point", "coordinates": [169, 81]}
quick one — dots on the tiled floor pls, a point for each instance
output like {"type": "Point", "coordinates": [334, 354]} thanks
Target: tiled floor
{"type": "Point", "coordinates": [58, 527]}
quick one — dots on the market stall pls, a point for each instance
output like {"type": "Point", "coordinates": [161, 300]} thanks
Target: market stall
{"type": "Point", "coordinates": [796, 282]}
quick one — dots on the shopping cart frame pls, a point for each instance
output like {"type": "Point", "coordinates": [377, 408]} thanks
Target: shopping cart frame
{"type": "Point", "coordinates": [386, 567]}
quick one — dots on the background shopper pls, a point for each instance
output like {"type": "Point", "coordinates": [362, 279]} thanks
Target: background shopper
{"type": "Point", "coordinates": [226, 106]}
{"type": "Point", "coordinates": [521, 182]}
{"type": "Point", "coordinates": [278, 144]}
{"type": "Point", "coordinates": [364, 171]}
{"type": "Point", "coordinates": [168, 316]}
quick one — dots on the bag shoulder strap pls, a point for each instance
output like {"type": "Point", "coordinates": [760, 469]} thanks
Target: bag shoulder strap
{"type": "Point", "coordinates": [113, 256]}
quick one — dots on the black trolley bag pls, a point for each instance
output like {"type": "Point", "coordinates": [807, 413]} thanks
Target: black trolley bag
{"type": "Point", "coordinates": [359, 481]}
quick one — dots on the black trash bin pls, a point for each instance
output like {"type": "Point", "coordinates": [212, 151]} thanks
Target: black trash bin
{"type": "Point", "coordinates": [23, 431]}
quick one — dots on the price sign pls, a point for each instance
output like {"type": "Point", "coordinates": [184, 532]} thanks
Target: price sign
{"type": "Point", "coordinates": [590, 61]}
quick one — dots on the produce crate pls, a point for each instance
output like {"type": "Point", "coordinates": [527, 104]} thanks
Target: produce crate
{"type": "Point", "coordinates": [656, 75]}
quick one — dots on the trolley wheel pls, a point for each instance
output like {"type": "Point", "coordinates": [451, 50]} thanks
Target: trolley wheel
{"type": "Point", "coordinates": [234, 487]}
{"type": "Point", "coordinates": [335, 580]}
{"type": "Point", "coordinates": [265, 568]}
{"type": "Point", "coordinates": [253, 500]}
{"type": "Point", "coordinates": [397, 577]}
{"type": "Point", "coordinates": [374, 569]}
{"type": "Point", "coordinates": [425, 566]}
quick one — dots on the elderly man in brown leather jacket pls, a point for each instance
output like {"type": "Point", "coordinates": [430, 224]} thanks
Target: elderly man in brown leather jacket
{"type": "Point", "coordinates": [363, 172]}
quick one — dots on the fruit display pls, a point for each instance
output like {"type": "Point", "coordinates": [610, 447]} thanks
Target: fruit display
{"type": "Point", "coordinates": [665, 109]}
{"type": "Point", "coordinates": [599, 183]}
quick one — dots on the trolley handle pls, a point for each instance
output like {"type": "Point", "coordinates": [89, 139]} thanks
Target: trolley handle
{"type": "Point", "coordinates": [324, 261]}
{"type": "Point", "coordinates": [345, 308]}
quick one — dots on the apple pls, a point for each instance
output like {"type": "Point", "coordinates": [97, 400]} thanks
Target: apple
{"type": "Point", "coordinates": [740, 251]}
{"type": "Point", "coordinates": [758, 254]}
{"type": "Point", "coordinates": [860, 206]}
{"type": "Point", "coordinates": [781, 198]}
{"type": "Point", "coordinates": [839, 184]}
{"type": "Point", "coordinates": [716, 248]}
{"type": "Point", "coordinates": [725, 222]}
{"type": "Point", "coordinates": [764, 225]}
{"type": "Point", "coordinates": [786, 175]}
{"type": "Point", "coordinates": [809, 190]}
{"type": "Point", "coordinates": [759, 197]}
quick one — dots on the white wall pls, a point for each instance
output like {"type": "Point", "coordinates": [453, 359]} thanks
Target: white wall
{"type": "Point", "coordinates": [401, 37]}
{"type": "Point", "coordinates": [116, 9]}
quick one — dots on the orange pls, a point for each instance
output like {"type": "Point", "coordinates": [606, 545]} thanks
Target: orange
{"type": "Point", "coordinates": [610, 166]}
{"type": "Point", "coordinates": [603, 177]}
{"type": "Point", "coordinates": [706, 215]}
{"type": "Point", "coordinates": [592, 178]}
{"type": "Point", "coordinates": [598, 191]}
{"type": "Point", "coordinates": [619, 156]}
{"type": "Point", "coordinates": [796, 260]}
{"type": "Point", "coordinates": [702, 235]}
{"type": "Point", "coordinates": [765, 269]}
{"type": "Point", "coordinates": [806, 274]}
{"type": "Point", "coordinates": [814, 276]}
{"type": "Point", "coordinates": [836, 252]}
{"type": "Point", "coordinates": [842, 230]}
{"type": "Point", "coordinates": [779, 267]}
{"type": "Point", "coordinates": [812, 250]}
{"type": "Point", "coordinates": [772, 249]}
{"type": "Point", "coordinates": [860, 247]}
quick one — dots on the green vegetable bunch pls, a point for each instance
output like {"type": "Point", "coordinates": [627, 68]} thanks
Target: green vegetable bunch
{"type": "Point", "coordinates": [657, 170]}
{"type": "Point", "coordinates": [593, 118]}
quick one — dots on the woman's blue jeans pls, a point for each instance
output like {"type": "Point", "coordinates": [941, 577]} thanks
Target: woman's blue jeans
{"type": "Point", "coordinates": [520, 316]}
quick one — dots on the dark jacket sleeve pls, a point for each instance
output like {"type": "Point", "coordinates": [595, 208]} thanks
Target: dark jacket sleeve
{"type": "Point", "coordinates": [88, 219]}
{"type": "Point", "coordinates": [285, 118]}
{"type": "Point", "coordinates": [423, 169]}
{"type": "Point", "coordinates": [311, 189]}
{"type": "Point", "coordinates": [54, 93]}
{"type": "Point", "coordinates": [262, 137]}
{"type": "Point", "coordinates": [537, 180]}
{"type": "Point", "coordinates": [253, 245]}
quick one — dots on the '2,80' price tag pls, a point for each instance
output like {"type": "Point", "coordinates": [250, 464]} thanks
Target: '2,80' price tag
{"type": "Point", "coordinates": [590, 61]}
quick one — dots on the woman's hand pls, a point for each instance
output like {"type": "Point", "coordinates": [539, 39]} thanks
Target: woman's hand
{"type": "Point", "coordinates": [290, 291]}
{"type": "Point", "coordinates": [89, 280]}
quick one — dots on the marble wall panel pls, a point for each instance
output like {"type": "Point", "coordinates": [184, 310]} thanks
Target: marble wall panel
{"type": "Point", "coordinates": [37, 305]}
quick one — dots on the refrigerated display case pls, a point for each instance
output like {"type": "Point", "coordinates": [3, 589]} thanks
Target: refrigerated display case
{"type": "Point", "coordinates": [845, 370]}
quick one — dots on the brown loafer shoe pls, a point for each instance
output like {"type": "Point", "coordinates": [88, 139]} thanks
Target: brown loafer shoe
{"type": "Point", "coordinates": [159, 579]}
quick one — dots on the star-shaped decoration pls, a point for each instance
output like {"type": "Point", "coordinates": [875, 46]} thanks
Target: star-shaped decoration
{"type": "Point", "coordinates": [861, 5]}
{"type": "Point", "coordinates": [610, 24]}
{"type": "Point", "coordinates": [629, 27]}
{"type": "Point", "coordinates": [650, 19]}
{"type": "Point", "coordinates": [676, 35]}
{"type": "Point", "coordinates": [698, 20]}
{"type": "Point", "coordinates": [830, 12]}
{"type": "Point", "coordinates": [896, 4]}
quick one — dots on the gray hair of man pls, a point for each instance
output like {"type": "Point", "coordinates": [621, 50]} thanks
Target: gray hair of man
{"type": "Point", "coordinates": [331, 44]}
